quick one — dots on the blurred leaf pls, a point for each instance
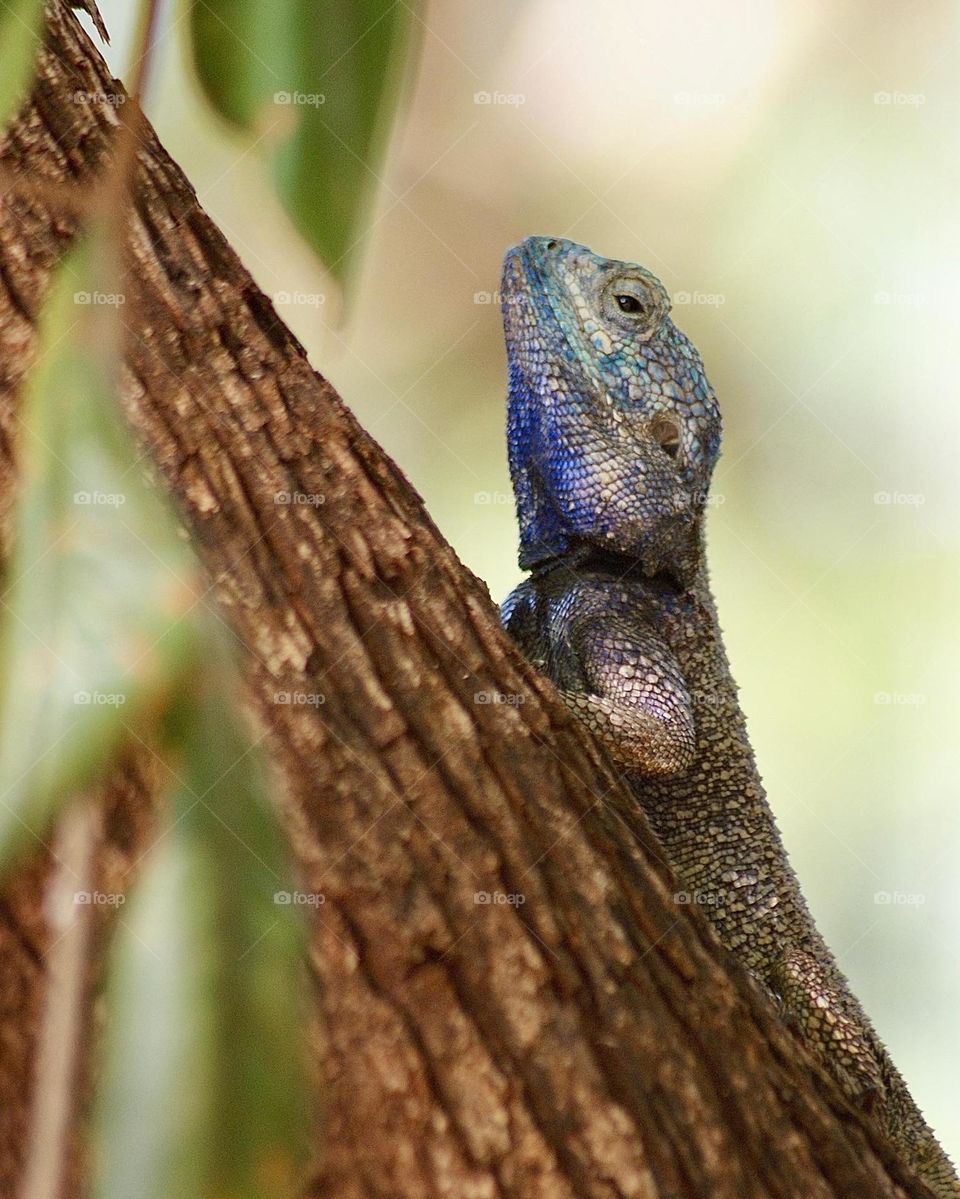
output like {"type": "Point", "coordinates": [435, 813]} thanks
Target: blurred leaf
{"type": "Point", "coordinates": [21, 24]}
{"type": "Point", "coordinates": [319, 81]}
{"type": "Point", "coordinates": [204, 1091]}
{"type": "Point", "coordinates": [151, 1104]}
{"type": "Point", "coordinates": [92, 633]}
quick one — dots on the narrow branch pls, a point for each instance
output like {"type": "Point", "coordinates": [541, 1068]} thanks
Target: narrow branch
{"type": "Point", "coordinates": [69, 912]}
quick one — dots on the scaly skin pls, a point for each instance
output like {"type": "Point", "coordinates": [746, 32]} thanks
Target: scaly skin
{"type": "Point", "coordinates": [613, 435]}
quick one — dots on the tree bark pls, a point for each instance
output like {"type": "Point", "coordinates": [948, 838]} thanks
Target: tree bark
{"type": "Point", "coordinates": [593, 1040]}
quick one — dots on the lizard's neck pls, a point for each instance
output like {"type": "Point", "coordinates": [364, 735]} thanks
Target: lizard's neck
{"type": "Point", "coordinates": [688, 577]}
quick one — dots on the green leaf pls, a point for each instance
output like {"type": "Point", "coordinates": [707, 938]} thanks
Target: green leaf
{"type": "Point", "coordinates": [317, 81]}
{"type": "Point", "coordinates": [93, 634]}
{"type": "Point", "coordinates": [204, 1089]}
{"type": "Point", "coordinates": [21, 25]}
{"type": "Point", "coordinates": [158, 1046]}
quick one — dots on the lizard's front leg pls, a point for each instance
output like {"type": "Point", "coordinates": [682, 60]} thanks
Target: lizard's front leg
{"type": "Point", "coordinates": [625, 684]}
{"type": "Point", "coordinates": [611, 668]}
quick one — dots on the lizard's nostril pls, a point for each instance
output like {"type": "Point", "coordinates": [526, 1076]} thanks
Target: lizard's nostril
{"type": "Point", "coordinates": [666, 433]}
{"type": "Point", "coordinates": [552, 244]}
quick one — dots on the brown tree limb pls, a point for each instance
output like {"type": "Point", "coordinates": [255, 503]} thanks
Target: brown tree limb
{"type": "Point", "coordinates": [594, 1041]}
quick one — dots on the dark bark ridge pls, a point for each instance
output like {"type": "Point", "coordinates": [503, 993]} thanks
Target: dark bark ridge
{"type": "Point", "coordinates": [592, 1041]}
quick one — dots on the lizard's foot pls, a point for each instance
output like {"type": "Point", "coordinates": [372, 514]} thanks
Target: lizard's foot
{"type": "Point", "coordinates": [647, 744]}
{"type": "Point", "coordinates": [815, 1006]}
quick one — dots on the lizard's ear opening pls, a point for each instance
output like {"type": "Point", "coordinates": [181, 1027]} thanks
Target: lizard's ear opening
{"type": "Point", "coordinates": [666, 433]}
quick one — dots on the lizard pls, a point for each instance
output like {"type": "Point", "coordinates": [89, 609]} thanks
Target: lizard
{"type": "Point", "coordinates": [613, 434]}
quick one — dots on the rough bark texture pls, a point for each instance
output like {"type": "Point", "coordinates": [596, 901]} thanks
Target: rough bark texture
{"type": "Point", "coordinates": [594, 1041]}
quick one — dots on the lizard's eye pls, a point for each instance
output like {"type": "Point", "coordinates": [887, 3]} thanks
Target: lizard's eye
{"type": "Point", "coordinates": [629, 303]}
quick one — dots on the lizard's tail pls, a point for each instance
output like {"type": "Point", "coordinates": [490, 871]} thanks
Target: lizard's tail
{"type": "Point", "coordinates": [818, 1003]}
{"type": "Point", "coordinates": [904, 1124]}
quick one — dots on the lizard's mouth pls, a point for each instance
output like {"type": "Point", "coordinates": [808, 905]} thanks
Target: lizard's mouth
{"type": "Point", "coordinates": [668, 552]}
{"type": "Point", "coordinates": [680, 554]}
{"type": "Point", "coordinates": [682, 572]}
{"type": "Point", "coordinates": [675, 576]}
{"type": "Point", "coordinates": [662, 538]}
{"type": "Point", "coordinates": [678, 570]}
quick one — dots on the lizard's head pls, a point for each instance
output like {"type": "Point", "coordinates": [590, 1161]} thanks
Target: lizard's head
{"type": "Point", "coordinates": [613, 427]}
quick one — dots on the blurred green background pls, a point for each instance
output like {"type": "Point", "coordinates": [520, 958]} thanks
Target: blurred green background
{"type": "Point", "coordinates": [789, 169]}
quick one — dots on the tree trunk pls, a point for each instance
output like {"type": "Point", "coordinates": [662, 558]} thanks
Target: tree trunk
{"type": "Point", "coordinates": [587, 1038]}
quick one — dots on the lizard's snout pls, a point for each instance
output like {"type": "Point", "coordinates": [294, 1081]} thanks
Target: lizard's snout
{"type": "Point", "coordinates": [538, 246]}
{"type": "Point", "coordinates": [541, 251]}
